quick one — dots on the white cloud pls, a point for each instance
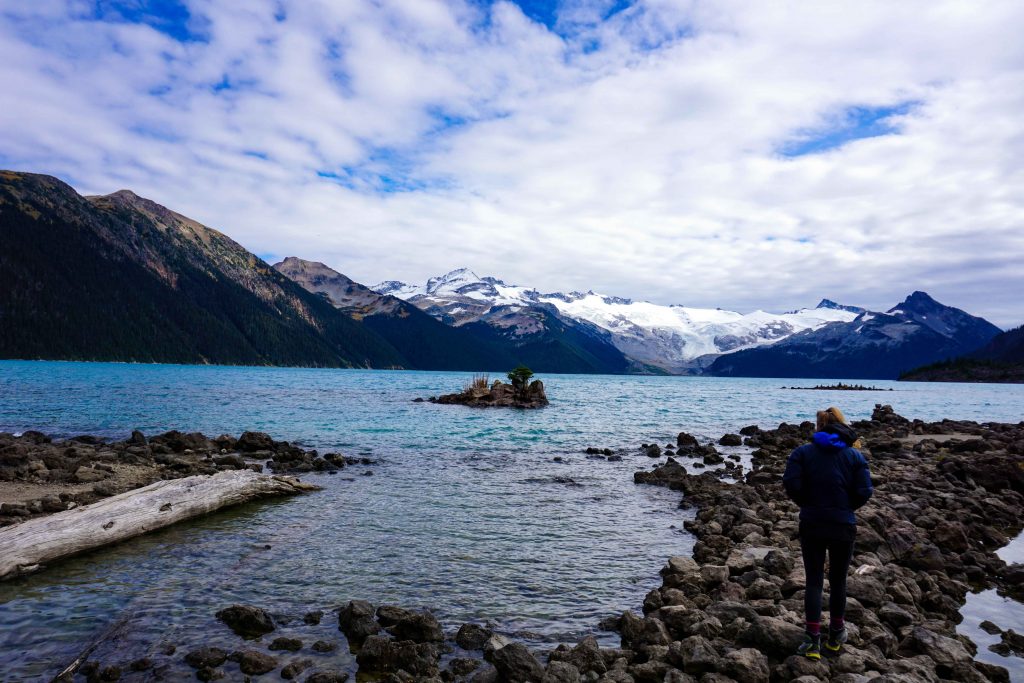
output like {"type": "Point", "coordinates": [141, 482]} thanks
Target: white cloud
{"type": "Point", "coordinates": [636, 154]}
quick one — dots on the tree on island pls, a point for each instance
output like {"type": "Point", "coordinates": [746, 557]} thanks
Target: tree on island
{"type": "Point", "coordinates": [520, 379]}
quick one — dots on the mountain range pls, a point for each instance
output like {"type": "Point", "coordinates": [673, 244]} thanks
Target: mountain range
{"type": "Point", "coordinates": [830, 340]}
{"type": "Point", "coordinates": [119, 277]}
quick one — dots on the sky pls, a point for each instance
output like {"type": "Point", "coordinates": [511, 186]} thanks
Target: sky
{"type": "Point", "coordinates": [740, 155]}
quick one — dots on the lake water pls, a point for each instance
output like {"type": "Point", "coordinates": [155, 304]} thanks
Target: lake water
{"type": "Point", "coordinates": [466, 513]}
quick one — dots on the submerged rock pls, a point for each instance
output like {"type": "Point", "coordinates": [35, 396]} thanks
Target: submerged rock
{"type": "Point", "coordinates": [206, 657]}
{"type": "Point", "coordinates": [254, 663]}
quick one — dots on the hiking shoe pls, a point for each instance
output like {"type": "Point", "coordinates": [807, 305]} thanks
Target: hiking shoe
{"type": "Point", "coordinates": [811, 647]}
{"type": "Point", "coordinates": [836, 639]}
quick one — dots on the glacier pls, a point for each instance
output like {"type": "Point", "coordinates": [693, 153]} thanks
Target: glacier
{"type": "Point", "coordinates": [678, 339]}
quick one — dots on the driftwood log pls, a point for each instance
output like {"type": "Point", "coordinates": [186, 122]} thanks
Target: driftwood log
{"type": "Point", "coordinates": [27, 546]}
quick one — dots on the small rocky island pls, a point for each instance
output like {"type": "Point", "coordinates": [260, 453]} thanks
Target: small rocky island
{"type": "Point", "coordinates": [519, 392]}
{"type": "Point", "coordinates": [840, 386]}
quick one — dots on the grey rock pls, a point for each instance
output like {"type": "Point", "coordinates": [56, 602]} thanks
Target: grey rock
{"type": "Point", "coordinates": [295, 668]}
{"type": "Point", "coordinates": [254, 663]}
{"type": "Point", "coordinates": [746, 665]}
{"type": "Point", "coordinates": [246, 620]}
{"type": "Point", "coordinates": [516, 663]}
{"type": "Point", "coordinates": [356, 621]}
{"type": "Point", "coordinates": [380, 654]}
{"type": "Point", "coordinates": [472, 636]}
{"type": "Point", "coordinates": [206, 657]}
{"type": "Point", "coordinates": [285, 643]}
{"type": "Point", "coordinates": [694, 655]}
{"type": "Point", "coordinates": [561, 672]}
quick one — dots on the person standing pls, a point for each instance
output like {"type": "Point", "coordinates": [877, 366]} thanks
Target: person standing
{"type": "Point", "coordinates": [829, 479]}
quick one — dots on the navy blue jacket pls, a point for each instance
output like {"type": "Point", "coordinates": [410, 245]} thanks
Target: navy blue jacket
{"type": "Point", "coordinates": [828, 480]}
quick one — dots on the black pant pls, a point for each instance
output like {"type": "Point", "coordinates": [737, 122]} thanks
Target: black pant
{"type": "Point", "coordinates": [815, 541]}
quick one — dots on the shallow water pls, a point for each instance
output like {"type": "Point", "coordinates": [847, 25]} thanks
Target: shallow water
{"type": "Point", "coordinates": [463, 513]}
{"type": "Point", "coordinates": [1005, 612]}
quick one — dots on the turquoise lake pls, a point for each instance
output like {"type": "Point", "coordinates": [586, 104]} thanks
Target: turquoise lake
{"type": "Point", "coordinates": [466, 512]}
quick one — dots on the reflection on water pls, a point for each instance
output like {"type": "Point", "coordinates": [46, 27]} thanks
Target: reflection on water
{"type": "Point", "coordinates": [1004, 612]}
{"type": "Point", "coordinates": [467, 512]}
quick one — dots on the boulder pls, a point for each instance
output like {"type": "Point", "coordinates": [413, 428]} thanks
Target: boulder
{"type": "Point", "coordinates": [296, 667]}
{"type": "Point", "coordinates": [561, 672]}
{"type": "Point", "coordinates": [356, 621]}
{"type": "Point", "coordinates": [687, 441]}
{"type": "Point", "coordinates": [940, 649]}
{"type": "Point", "coordinates": [206, 657]}
{"type": "Point", "coordinates": [472, 636]}
{"type": "Point", "coordinates": [773, 636]}
{"type": "Point", "coordinates": [246, 620]}
{"type": "Point", "coordinates": [463, 666]}
{"type": "Point", "coordinates": [327, 677]}
{"type": "Point", "coordinates": [250, 442]}
{"type": "Point", "coordinates": [254, 663]}
{"type": "Point", "coordinates": [515, 664]}
{"type": "Point", "coordinates": [746, 665]}
{"type": "Point", "coordinates": [585, 657]}
{"type": "Point", "coordinates": [380, 654]}
{"type": "Point", "coordinates": [694, 655]}
{"type": "Point", "coordinates": [714, 574]}
{"type": "Point", "coordinates": [285, 643]}
{"type": "Point", "coordinates": [418, 627]}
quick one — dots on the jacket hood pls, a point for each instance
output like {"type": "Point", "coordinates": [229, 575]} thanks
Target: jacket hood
{"type": "Point", "coordinates": [835, 435]}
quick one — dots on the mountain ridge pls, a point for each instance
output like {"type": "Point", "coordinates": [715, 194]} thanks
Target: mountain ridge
{"type": "Point", "coordinates": [676, 339]}
{"type": "Point", "coordinates": [503, 337]}
{"type": "Point", "coordinates": [116, 277]}
{"type": "Point", "coordinates": [121, 277]}
{"type": "Point", "coordinates": [874, 345]}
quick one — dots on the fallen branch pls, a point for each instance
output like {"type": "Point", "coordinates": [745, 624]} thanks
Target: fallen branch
{"type": "Point", "coordinates": [27, 546]}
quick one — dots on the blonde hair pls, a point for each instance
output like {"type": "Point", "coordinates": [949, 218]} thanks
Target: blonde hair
{"type": "Point", "coordinates": [832, 415]}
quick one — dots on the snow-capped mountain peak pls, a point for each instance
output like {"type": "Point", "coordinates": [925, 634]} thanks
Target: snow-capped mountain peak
{"type": "Point", "coordinates": [828, 303]}
{"type": "Point", "coordinates": [677, 338]}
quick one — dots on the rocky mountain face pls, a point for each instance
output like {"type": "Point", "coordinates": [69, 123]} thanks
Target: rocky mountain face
{"type": "Point", "coordinates": [873, 345]}
{"type": "Point", "coordinates": [118, 277]}
{"type": "Point", "coordinates": [344, 293]}
{"type": "Point", "coordinates": [675, 339]}
{"type": "Point", "coordinates": [491, 336]}
{"type": "Point", "coordinates": [426, 342]}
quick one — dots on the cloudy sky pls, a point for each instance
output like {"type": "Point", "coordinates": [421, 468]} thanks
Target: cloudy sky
{"type": "Point", "coordinates": [735, 154]}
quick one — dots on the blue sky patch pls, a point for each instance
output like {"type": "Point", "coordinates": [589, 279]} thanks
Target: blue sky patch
{"type": "Point", "coordinates": [171, 17]}
{"type": "Point", "coordinates": [385, 171]}
{"type": "Point", "coordinates": [852, 123]}
{"type": "Point", "coordinates": [541, 11]}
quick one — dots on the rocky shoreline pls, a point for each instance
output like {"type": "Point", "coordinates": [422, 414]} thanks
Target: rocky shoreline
{"type": "Point", "coordinates": [39, 475]}
{"type": "Point", "coordinates": [948, 495]}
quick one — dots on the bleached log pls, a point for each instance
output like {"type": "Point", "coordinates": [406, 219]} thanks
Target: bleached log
{"type": "Point", "coordinates": [27, 546]}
